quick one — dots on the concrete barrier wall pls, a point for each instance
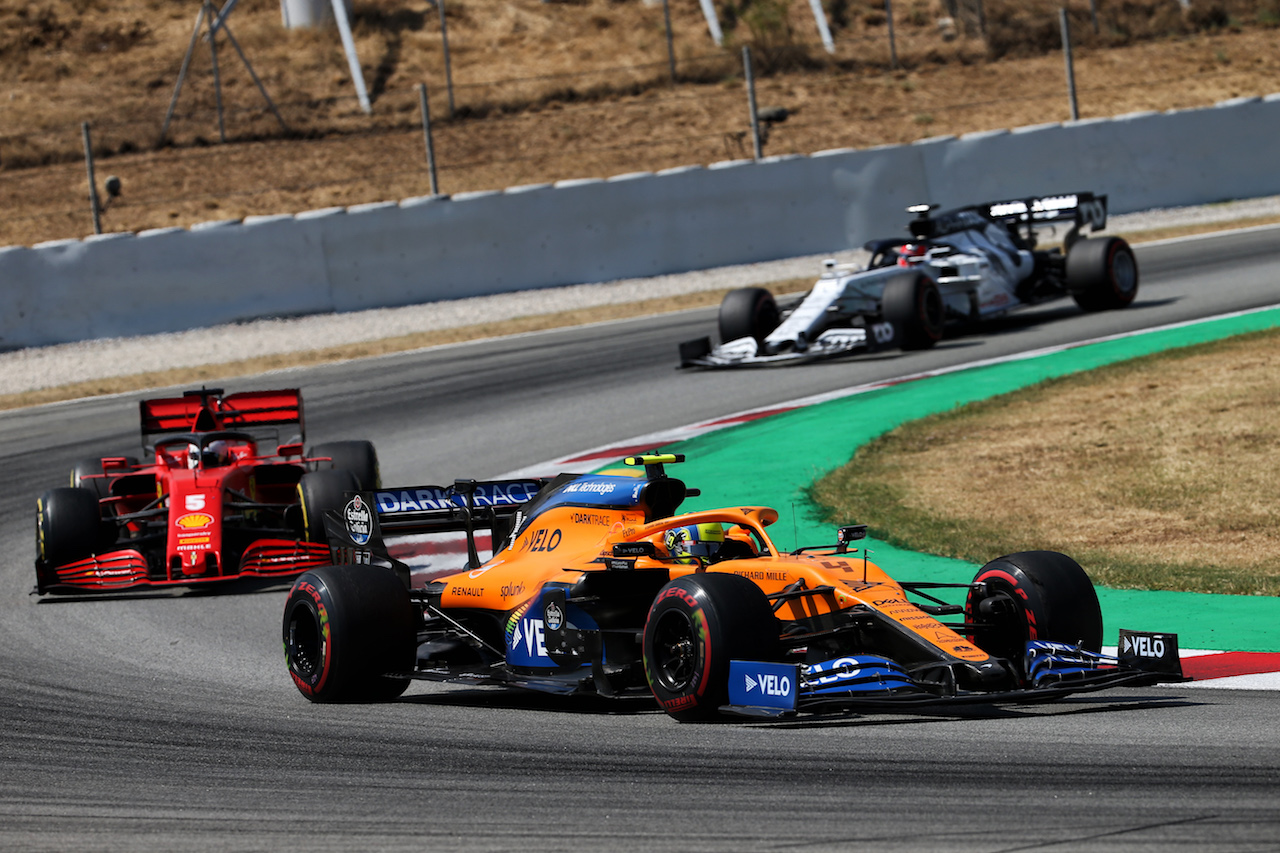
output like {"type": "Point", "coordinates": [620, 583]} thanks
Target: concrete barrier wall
{"type": "Point", "coordinates": [423, 250]}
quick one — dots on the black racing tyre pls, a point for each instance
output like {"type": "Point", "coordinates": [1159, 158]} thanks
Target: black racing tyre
{"type": "Point", "coordinates": [68, 526]}
{"type": "Point", "coordinates": [1102, 274]}
{"type": "Point", "coordinates": [358, 457]}
{"type": "Point", "coordinates": [1033, 595]}
{"type": "Point", "coordinates": [80, 472]}
{"type": "Point", "coordinates": [319, 491]}
{"type": "Point", "coordinates": [913, 304]}
{"type": "Point", "coordinates": [345, 628]}
{"type": "Point", "coordinates": [748, 312]}
{"type": "Point", "coordinates": [696, 625]}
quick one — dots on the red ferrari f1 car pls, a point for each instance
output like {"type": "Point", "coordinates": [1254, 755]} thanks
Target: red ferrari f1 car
{"type": "Point", "coordinates": [597, 586]}
{"type": "Point", "coordinates": [218, 496]}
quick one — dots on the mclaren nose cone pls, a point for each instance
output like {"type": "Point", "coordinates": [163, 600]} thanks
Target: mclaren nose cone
{"type": "Point", "coordinates": [990, 675]}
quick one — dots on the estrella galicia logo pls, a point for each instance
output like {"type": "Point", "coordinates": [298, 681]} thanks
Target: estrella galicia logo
{"type": "Point", "coordinates": [359, 521]}
{"type": "Point", "coordinates": [554, 617]}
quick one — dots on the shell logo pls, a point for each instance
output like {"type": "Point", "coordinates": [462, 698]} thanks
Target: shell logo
{"type": "Point", "coordinates": [194, 520]}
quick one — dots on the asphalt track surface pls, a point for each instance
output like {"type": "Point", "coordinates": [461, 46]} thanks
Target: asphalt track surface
{"type": "Point", "coordinates": [168, 722]}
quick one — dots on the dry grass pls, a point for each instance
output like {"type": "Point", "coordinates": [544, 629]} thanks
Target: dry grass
{"type": "Point", "coordinates": [114, 64]}
{"type": "Point", "coordinates": [1158, 473]}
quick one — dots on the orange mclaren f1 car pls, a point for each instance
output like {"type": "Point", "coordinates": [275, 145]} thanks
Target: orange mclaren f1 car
{"type": "Point", "coordinates": [597, 585]}
{"type": "Point", "coordinates": [218, 497]}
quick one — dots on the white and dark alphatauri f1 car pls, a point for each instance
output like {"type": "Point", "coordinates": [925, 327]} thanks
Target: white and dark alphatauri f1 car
{"type": "Point", "coordinates": [963, 265]}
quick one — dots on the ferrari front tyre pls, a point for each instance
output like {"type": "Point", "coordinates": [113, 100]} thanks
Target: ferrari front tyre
{"type": "Point", "coordinates": [358, 457]}
{"type": "Point", "coordinates": [350, 634]}
{"type": "Point", "coordinates": [913, 304]}
{"type": "Point", "coordinates": [1102, 274]}
{"type": "Point", "coordinates": [1033, 595]}
{"type": "Point", "coordinates": [748, 312]}
{"type": "Point", "coordinates": [68, 526]}
{"type": "Point", "coordinates": [696, 625]}
{"type": "Point", "coordinates": [323, 490]}
{"type": "Point", "coordinates": [81, 475]}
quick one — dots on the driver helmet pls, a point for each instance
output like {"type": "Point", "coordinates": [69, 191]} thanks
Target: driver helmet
{"type": "Point", "coordinates": [216, 454]}
{"type": "Point", "coordinates": [910, 252]}
{"type": "Point", "coordinates": [695, 540]}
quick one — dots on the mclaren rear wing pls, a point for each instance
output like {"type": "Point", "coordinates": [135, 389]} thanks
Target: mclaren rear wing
{"type": "Point", "coordinates": [207, 410]}
{"type": "Point", "coordinates": [357, 533]}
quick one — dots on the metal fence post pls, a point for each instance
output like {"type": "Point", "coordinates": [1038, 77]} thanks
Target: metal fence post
{"type": "Point", "coordinates": [93, 185]}
{"type": "Point", "coordinates": [426, 135]}
{"type": "Point", "coordinates": [893, 45]}
{"type": "Point", "coordinates": [1066, 52]}
{"type": "Point", "coordinates": [671, 53]}
{"type": "Point", "coordinates": [751, 101]}
{"type": "Point", "coordinates": [448, 69]}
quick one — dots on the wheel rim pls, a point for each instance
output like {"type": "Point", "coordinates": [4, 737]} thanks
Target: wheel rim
{"type": "Point", "coordinates": [303, 642]}
{"type": "Point", "coordinates": [1124, 273]}
{"type": "Point", "coordinates": [931, 311]}
{"type": "Point", "coordinates": [765, 319]}
{"type": "Point", "coordinates": [1006, 634]}
{"type": "Point", "coordinates": [675, 651]}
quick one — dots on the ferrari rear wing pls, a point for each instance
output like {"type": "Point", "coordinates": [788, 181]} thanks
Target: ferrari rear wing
{"type": "Point", "coordinates": [207, 410]}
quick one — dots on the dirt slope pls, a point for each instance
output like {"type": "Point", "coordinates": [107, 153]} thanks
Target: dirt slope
{"type": "Point", "coordinates": [546, 91]}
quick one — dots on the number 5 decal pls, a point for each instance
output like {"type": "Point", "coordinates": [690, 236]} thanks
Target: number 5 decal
{"type": "Point", "coordinates": [194, 502]}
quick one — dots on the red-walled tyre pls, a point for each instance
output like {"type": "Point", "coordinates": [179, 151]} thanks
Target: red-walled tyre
{"type": "Point", "coordinates": [913, 304]}
{"type": "Point", "coordinates": [1033, 595]}
{"type": "Point", "coordinates": [748, 312]}
{"type": "Point", "coordinates": [1102, 274]}
{"type": "Point", "coordinates": [696, 625]}
{"type": "Point", "coordinates": [350, 634]}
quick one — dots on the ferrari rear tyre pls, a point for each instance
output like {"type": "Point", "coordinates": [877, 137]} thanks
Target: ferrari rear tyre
{"type": "Point", "coordinates": [68, 526]}
{"type": "Point", "coordinates": [696, 625]}
{"type": "Point", "coordinates": [350, 634]}
{"type": "Point", "coordinates": [81, 471]}
{"type": "Point", "coordinates": [748, 312]}
{"type": "Point", "coordinates": [1102, 274]}
{"type": "Point", "coordinates": [358, 457]}
{"type": "Point", "coordinates": [1033, 595]}
{"type": "Point", "coordinates": [913, 304]}
{"type": "Point", "coordinates": [319, 491]}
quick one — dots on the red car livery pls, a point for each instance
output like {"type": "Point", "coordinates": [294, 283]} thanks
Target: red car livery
{"type": "Point", "coordinates": [217, 496]}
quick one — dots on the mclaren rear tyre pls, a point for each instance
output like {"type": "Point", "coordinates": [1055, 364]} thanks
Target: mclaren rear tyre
{"type": "Point", "coordinates": [358, 457]}
{"type": "Point", "coordinates": [748, 312]}
{"type": "Point", "coordinates": [1033, 595]}
{"type": "Point", "coordinates": [323, 490]}
{"type": "Point", "coordinates": [84, 475]}
{"type": "Point", "coordinates": [68, 528]}
{"type": "Point", "coordinates": [350, 634]}
{"type": "Point", "coordinates": [696, 625]}
{"type": "Point", "coordinates": [913, 304]}
{"type": "Point", "coordinates": [1102, 274]}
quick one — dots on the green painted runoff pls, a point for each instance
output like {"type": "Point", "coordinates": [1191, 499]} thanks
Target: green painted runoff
{"type": "Point", "coordinates": [772, 461]}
